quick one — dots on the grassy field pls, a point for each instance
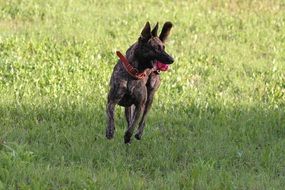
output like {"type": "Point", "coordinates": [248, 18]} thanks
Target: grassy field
{"type": "Point", "coordinates": [218, 119]}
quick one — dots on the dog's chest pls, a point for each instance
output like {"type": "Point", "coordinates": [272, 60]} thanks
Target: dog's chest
{"type": "Point", "coordinates": [136, 86]}
{"type": "Point", "coordinates": [151, 82]}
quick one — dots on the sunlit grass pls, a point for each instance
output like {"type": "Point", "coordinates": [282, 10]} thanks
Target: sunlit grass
{"type": "Point", "coordinates": [217, 122]}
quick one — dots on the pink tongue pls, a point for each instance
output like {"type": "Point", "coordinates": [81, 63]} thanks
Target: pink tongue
{"type": "Point", "coordinates": [161, 66]}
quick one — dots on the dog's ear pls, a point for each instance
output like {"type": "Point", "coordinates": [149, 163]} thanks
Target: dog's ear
{"type": "Point", "coordinates": [154, 30]}
{"type": "Point", "coordinates": [146, 33]}
{"type": "Point", "coordinates": [165, 31]}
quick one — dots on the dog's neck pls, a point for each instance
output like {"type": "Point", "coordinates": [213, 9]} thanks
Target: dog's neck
{"type": "Point", "coordinates": [140, 64]}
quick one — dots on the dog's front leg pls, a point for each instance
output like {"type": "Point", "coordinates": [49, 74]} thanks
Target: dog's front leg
{"type": "Point", "coordinates": [146, 110]}
{"type": "Point", "coordinates": [142, 122]}
{"type": "Point", "coordinates": [153, 85]}
{"type": "Point", "coordinates": [129, 113]}
{"type": "Point", "coordinates": [137, 114]}
{"type": "Point", "coordinates": [141, 97]}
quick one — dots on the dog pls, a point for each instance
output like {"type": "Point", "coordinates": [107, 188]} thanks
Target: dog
{"type": "Point", "coordinates": [135, 79]}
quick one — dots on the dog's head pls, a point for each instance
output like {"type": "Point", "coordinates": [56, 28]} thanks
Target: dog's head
{"type": "Point", "coordinates": [151, 46]}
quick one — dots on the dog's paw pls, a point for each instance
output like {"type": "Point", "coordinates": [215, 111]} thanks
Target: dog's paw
{"type": "Point", "coordinates": [138, 136]}
{"type": "Point", "coordinates": [109, 134]}
{"type": "Point", "coordinates": [127, 138]}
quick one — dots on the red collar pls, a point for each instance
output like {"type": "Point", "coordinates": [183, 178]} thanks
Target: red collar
{"type": "Point", "coordinates": [129, 68]}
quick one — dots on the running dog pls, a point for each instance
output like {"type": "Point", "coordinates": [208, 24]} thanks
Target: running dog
{"type": "Point", "coordinates": [135, 79]}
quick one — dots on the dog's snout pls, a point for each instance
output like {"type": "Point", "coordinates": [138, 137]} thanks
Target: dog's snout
{"type": "Point", "coordinates": [166, 58]}
{"type": "Point", "coordinates": [171, 59]}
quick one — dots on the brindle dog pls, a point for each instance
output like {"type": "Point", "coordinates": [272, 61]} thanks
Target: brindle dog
{"type": "Point", "coordinates": [134, 94]}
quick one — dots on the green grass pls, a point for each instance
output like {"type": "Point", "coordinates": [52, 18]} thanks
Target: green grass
{"type": "Point", "coordinates": [217, 122]}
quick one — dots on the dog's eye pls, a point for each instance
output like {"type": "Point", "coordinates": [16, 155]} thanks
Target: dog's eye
{"type": "Point", "coordinates": [153, 48]}
{"type": "Point", "coordinates": [158, 49]}
{"type": "Point", "coordinates": [161, 48]}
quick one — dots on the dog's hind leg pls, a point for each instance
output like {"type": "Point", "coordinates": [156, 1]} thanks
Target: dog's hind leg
{"type": "Point", "coordinates": [114, 97]}
{"type": "Point", "coordinates": [110, 114]}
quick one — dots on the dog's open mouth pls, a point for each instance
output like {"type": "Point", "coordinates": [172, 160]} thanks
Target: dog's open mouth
{"type": "Point", "coordinates": [161, 66]}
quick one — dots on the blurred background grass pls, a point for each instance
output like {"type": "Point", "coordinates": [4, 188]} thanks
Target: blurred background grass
{"type": "Point", "coordinates": [218, 122]}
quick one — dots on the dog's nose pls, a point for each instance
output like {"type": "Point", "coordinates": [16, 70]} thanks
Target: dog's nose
{"type": "Point", "coordinates": [171, 60]}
